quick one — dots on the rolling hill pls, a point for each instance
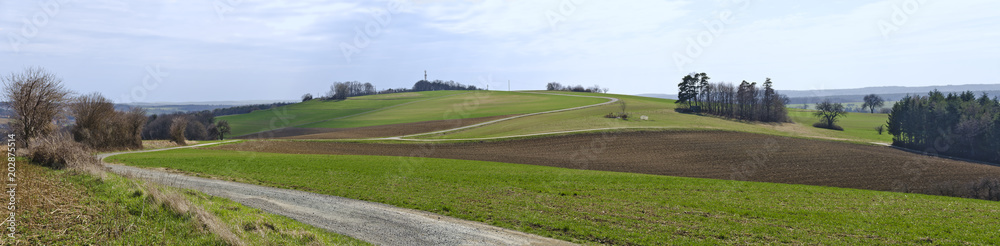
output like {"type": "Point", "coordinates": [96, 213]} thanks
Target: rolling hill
{"type": "Point", "coordinates": [401, 108]}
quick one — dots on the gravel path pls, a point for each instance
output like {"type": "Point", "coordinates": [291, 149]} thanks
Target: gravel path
{"type": "Point", "coordinates": [372, 222]}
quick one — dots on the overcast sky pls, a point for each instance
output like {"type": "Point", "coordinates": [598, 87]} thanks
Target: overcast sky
{"type": "Point", "coordinates": [213, 50]}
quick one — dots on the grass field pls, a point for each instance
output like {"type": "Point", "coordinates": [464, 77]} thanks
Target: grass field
{"type": "Point", "coordinates": [419, 107]}
{"type": "Point", "coordinates": [856, 125]}
{"type": "Point", "coordinates": [661, 113]}
{"type": "Point", "coordinates": [81, 209]}
{"type": "Point", "coordinates": [318, 110]}
{"type": "Point", "coordinates": [470, 105]}
{"type": "Point", "coordinates": [608, 207]}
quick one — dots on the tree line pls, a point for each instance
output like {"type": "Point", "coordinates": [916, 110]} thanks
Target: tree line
{"type": "Point", "coordinates": [745, 101]}
{"type": "Point", "coordinates": [960, 125]}
{"type": "Point", "coordinates": [246, 109]}
{"type": "Point", "coordinates": [343, 90]}
{"type": "Point", "coordinates": [192, 126]}
{"type": "Point", "coordinates": [438, 85]}
{"type": "Point", "coordinates": [555, 86]}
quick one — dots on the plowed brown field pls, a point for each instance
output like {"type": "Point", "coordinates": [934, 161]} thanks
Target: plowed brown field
{"type": "Point", "coordinates": [701, 154]}
{"type": "Point", "coordinates": [369, 132]}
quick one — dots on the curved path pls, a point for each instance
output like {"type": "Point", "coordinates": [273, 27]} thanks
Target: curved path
{"type": "Point", "coordinates": [376, 223]}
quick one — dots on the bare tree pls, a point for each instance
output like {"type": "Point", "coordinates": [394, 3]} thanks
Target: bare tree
{"type": "Point", "coordinates": [93, 114]}
{"type": "Point", "coordinates": [873, 102]}
{"type": "Point", "coordinates": [177, 127]}
{"type": "Point", "coordinates": [223, 128]}
{"type": "Point", "coordinates": [36, 96]}
{"type": "Point", "coordinates": [829, 112]}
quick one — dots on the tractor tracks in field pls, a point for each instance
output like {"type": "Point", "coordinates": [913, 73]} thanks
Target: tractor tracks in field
{"type": "Point", "coordinates": [376, 223]}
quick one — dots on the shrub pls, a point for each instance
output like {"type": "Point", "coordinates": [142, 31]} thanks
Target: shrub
{"type": "Point", "coordinates": [59, 151]}
{"type": "Point", "coordinates": [825, 126]}
{"type": "Point", "coordinates": [177, 127]}
{"type": "Point", "coordinates": [101, 127]}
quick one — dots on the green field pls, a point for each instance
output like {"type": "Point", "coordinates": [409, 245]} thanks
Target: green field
{"type": "Point", "coordinates": [470, 105]}
{"type": "Point", "coordinates": [858, 127]}
{"type": "Point", "coordinates": [318, 110]}
{"type": "Point", "coordinates": [390, 109]}
{"type": "Point", "coordinates": [608, 207]}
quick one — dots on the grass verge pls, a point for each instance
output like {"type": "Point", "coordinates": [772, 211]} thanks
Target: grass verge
{"type": "Point", "coordinates": [59, 207]}
{"type": "Point", "coordinates": [607, 207]}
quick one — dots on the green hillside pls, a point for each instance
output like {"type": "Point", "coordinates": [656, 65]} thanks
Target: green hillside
{"type": "Point", "coordinates": [318, 110]}
{"type": "Point", "coordinates": [470, 105]}
{"type": "Point", "coordinates": [401, 108]}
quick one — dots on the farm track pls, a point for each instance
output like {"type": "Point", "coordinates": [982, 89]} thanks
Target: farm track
{"type": "Point", "coordinates": [370, 131]}
{"type": "Point", "coordinates": [699, 154]}
{"type": "Point", "coordinates": [376, 223]}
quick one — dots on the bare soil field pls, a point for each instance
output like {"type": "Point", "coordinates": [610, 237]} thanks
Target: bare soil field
{"type": "Point", "coordinates": [371, 131]}
{"type": "Point", "coordinates": [700, 154]}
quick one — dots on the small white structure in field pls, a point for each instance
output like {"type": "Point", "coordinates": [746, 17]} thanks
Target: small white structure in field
{"type": "Point", "coordinates": [644, 117]}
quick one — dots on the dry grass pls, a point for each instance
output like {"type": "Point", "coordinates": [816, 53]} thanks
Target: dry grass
{"type": "Point", "coordinates": [59, 151]}
{"type": "Point", "coordinates": [179, 203]}
{"type": "Point", "coordinates": [56, 207]}
{"type": "Point", "coordinates": [47, 203]}
{"type": "Point", "coordinates": [162, 144]}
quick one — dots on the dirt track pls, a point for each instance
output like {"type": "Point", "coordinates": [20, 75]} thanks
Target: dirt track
{"type": "Point", "coordinates": [371, 131]}
{"type": "Point", "coordinates": [708, 154]}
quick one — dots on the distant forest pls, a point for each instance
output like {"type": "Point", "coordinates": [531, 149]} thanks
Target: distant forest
{"type": "Point", "coordinates": [961, 125]}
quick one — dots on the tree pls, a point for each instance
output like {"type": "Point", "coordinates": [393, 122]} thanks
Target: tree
{"type": "Point", "coordinates": [36, 97]}
{"type": "Point", "coordinates": [553, 86]}
{"type": "Point", "coordinates": [101, 127]}
{"type": "Point", "coordinates": [223, 128]}
{"type": "Point", "coordinates": [307, 97]}
{"type": "Point", "coordinates": [177, 128]}
{"type": "Point", "coordinates": [687, 90]}
{"type": "Point", "coordinates": [92, 113]}
{"type": "Point", "coordinates": [873, 102]}
{"type": "Point", "coordinates": [829, 112]}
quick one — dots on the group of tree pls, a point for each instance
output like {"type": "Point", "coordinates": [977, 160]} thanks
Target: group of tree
{"type": "Point", "coordinates": [101, 127]}
{"type": "Point", "coordinates": [246, 109]}
{"type": "Point", "coordinates": [745, 101]}
{"type": "Point", "coordinates": [438, 85]}
{"type": "Point", "coordinates": [959, 125]}
{"type": "Point", "coordinates": [555, 86]}
{"type": "Point", "coordinates": [179, 127]}
{"type": "Point", "coordinates": [343, 90]}
{"type": "Point", "coordinates": [39, 100]}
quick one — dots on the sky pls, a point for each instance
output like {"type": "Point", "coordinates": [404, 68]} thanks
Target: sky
{"type": "Point", "coordinates": [224, 50]}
